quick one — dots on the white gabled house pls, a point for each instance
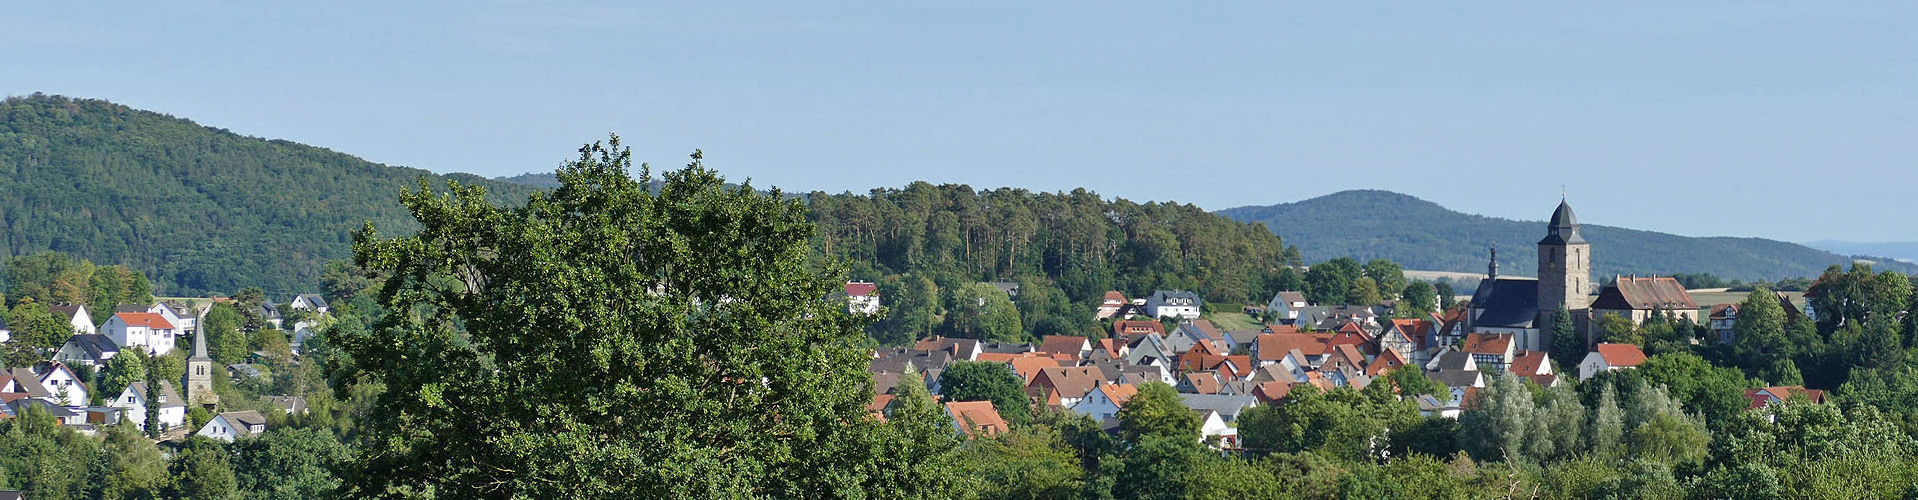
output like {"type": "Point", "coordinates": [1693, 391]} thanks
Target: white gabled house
{"type": "Point", "coordinates": [1285, 306]}
{"type": "Point", "coordinates": [310, 302]}
{"type": "Point", "coordinates": [148, 330]}
{"type": "Point", "coordinates": [234, 425]}
{"type": "Point", "coordinates": [1105, 402]}
{"type": "Point", "coordinates": [62, 384]}
{"type": "Point", "coordinates": [75, 315]}
{"type": "Point", "coordinates": [87, 349]}
{"type": "Point", "coordinates": [862, 297]}
{"type": "Point", "coordinates": [1609, 357]}
{"type": "Point", "coordinates": [132, 403]}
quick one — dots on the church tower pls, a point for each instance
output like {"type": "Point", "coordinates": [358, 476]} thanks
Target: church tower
{"type": "Point", "coordinates": [1564, 267]}
{"type": "Point", "coordinates": [199, 370]}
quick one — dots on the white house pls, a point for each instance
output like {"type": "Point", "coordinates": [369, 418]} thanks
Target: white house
{"type": "Point", "coordinates": [1105, 402]}
{"type": "Point", "coordinates": [862, 297]}
{"type": "Point", "coordinates": [142, 329]}
{"type": "Point", "coordinates": [63, 384]}
{"type": "Point", "coordinates": [233, 425]}
{"type": "Point", "coordinates": [181, 323]}
{"type": "Point", "coordinates": [133, 403]}
{"type": "Point", "coordinates": [6, 333]}
{"type": "Point", "coordinates": [1285, 305]}
{"type": "Point", "coordinates": [1609, 357]}
{"type": "Point", "coordinates": [310, 302]}
{"type": "Point", "coordinates": [1211, 424]}
{"type": "Point", "coordinates": [75, 315]}
{"type": "Point", "coordinates": [1173, 304]}
{"type": "Point", "coordinates": [87, 349]}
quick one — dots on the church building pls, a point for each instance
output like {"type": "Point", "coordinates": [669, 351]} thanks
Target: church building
{"type": "Point", "coordinates": [1525, 307]}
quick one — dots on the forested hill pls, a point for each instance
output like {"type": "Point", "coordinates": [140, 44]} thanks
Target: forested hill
{"type": "Point", "coordinates": [199, 209]}
{"type": "Point", "coordinates": [1420, 234]}
{"type": "Point", "coordinates": [1084, 243]}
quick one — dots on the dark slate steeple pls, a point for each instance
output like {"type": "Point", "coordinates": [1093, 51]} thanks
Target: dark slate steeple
{"type": "Point", "coordinates": [1563, 229]}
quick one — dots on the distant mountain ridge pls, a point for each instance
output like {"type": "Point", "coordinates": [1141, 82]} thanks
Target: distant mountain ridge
{"type": "Point", "coordinates": [198, 209]}
{"type": "Point", "coordinates": [1906, 251]}
{"type": "Point", "coordinates": [1420, 234]}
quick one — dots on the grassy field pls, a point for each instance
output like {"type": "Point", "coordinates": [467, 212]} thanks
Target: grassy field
{"type": "Point", "coordinates": [1711, 297]}
{"type": "Point", "coordinates": [1230, 321]}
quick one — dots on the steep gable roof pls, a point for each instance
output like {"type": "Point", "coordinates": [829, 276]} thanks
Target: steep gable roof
{"type": "Point", "coordinates": [1068, 381]}
{"type": "Point", "coordinates": [1203, 383]}
{"type": "Point", "coordinates": [1291, 297]}
{"type": "Point", "coordinates": [65, 311]}
{"type": "Point", "coordinates": [1387, 361]}
{"type": "Point", "coordinates": [1644, 294]}
{"type": "Point", "coordinates": [1507, 303]}
{"type": "Point", "coordinates": [1529, 363]}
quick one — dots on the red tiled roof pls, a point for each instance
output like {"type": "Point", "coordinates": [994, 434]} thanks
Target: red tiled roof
{"type": "Point", "coordinates": [1115, 296]}
{"type": "Point", "coordinates": [1063, 344]}
{"type": "Point", "coordinates": [879, 403]}
{"type": "Point", "coordinates": [1067, 382]}
{"type": "Point", "coordinates": [977, 418]}
{"type": "Point", "coordinates": [1123, 328]}
{"type": "Point", "coordinates": [1496, 344]}
{"type": "Point", "coordinates": [861, 289]}
{"type": "Point", "coordinates": [145, 320]}
{"type": "Point", "coordinates": [1271, 391]}
{"type": "Point", "coordinates": [1763, 396]}
{"type": "Point", "coordinates": [1387, 361]}
{"type": "Point", "coordinates": [1119, 393]}
{"type": "Point", "coordinates": [1028, 366]}
{"type": "Point", "coordinates": [1274, 346]}
{"type": "Point", "coordinates": [1620, 354]}
{"type": "Point", "coordinates": [1529, 363]}
{"type": "Point", "coordinates": [1203, 383]}
{"type": "Point", "coordinates": [1635, 293]}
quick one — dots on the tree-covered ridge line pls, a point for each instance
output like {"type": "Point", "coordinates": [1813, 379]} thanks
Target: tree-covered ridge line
{"type": "Point", "coordinates": [197, 209]}
{"type": "Point", "coordinates": [1419, 234]}
{"type": "Point", "coordinates": [924, 243]}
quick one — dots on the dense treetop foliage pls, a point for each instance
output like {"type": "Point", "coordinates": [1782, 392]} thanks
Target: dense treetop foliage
{"type": "Point", "coordinates": [195, 208]}
{"type": "Point", "coordinates": [603, 341]}
{"type": "Point", "coordinates": [1423, 235]}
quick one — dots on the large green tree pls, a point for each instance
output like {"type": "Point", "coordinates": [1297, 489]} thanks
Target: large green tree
{"type": "Point", "coordinates": [604, 340]}
{"type": "Point", "coordinates": [1157, 410]}
{"type": "Point", "coordinates": [202, 469]}
{"type": "Point", "coordinates": [987, 381]}
{"type": "Point", "coordinates": [290, 463]}
{"type": "Point", "coordinates": [981, 311]}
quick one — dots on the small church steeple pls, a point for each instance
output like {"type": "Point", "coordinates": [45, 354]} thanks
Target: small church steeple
{"type": "Point", "coordinates": [199, 369]}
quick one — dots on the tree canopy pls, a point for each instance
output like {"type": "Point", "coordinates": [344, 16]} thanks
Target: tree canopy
{"type": "Point", "coordinates": [605, 341]}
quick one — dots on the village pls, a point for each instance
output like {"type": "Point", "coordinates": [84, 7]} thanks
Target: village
{"type": "Point", "coordinates": [1506, 326]}
{"type": "Point", "coordinates": [70, 385]}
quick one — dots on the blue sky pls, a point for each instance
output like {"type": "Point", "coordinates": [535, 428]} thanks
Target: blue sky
{"type": "Point", "coordinates": [1794, 121]}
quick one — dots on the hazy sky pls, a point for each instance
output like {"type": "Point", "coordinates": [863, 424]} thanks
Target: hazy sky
{"type": "Point", "coordinates": [1795, 121]}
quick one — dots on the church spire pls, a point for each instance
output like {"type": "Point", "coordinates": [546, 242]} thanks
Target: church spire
{"type": "Point", "coordinates": [199, 346]}
{"type": "Point", "coordinates": [1491, 271]}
